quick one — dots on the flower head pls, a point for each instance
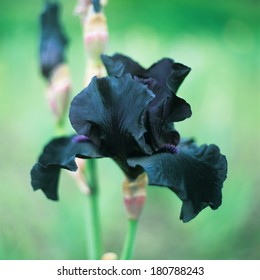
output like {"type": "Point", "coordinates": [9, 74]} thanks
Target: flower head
{"type": "Point", "coordinates": [128, 117]}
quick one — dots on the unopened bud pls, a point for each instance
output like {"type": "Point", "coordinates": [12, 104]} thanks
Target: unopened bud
{"type": "Point", "coordinates": [58, 91]}
{"type": "Point", "coordinates": [135, 195]}
{"type": "Point", "coordinates": [109, 256]}
{"type": "Point", "coordinates": [53, 40]}
{"type": "Point", "coordinates": [95, 35]}
{"type": "Point", "coordinates": [83, 6]}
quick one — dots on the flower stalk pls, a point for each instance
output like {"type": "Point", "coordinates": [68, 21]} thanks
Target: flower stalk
{"type": "Point", "coordinates": [128, 249]}
{"type": "Point", "coordinates": [94, 241]}
{"type": "Point", "coordinates": [95, 35]}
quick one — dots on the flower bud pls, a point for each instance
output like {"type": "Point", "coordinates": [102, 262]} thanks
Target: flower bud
{"type": "Point", "coordinates": [135, 195]}
{"type": "Point", "coordinates": [52, 41]}
{"type": "Point", "coordinates": [95, 34]}
{"type": "Point", "coordinates": [58, 91]}
{"type": "Point", "coordinates": [82, 7]}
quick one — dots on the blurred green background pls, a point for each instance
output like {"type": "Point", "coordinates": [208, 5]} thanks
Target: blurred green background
{"type": "Point", "coordinates": [219, 40]}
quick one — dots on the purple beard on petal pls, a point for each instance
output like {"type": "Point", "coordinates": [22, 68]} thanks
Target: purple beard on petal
{"type": "Point", "coordinates": [80, 138]}
{"type": "Point", "coordinates": [170, 148]}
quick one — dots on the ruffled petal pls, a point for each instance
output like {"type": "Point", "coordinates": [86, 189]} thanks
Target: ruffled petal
{"type": "Point", "coordinates": [168, 74]}
{"type": "Point", "coordinates": [195, 174]}
{"type": "Point", "coordinates": [162, 111]}
{"type": "Point", "coordinates": [111, 112]}
{"type": "Point", "coordinates": [177, 75]}
{"type": "Point", "coordinates": [57, 154]}
{"type": "Point", "coordinates": [163, 78]}
{"type": "Point", "coordinates": [119, 64]}
{"type": "Point", "coordinates": [160, 71]}
{"type": "Point", "coordinates": [168, 108]}
{"type": "Point", "coordinates": [46, 179]}
{"type": "Point", "coordinates": [53, 41]}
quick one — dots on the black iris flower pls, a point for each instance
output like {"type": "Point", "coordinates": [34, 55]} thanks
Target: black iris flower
{"type": "Point", "coordinates": [53, 40]}
{"type": "Point", "coordinates": [128, 116]}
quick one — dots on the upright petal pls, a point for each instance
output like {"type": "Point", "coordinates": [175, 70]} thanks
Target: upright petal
{"type": "Point", "coordinates": [195, 174]}
{"type": "Point", "coordinates": [178, 73]}
{"type": "Point", "coordinates": [168, 74]}
{"type": "Point", "coordinates": [113, 67]}
{"type": "Point", "coordinates": [60, 153]}
{"type": "Point", "coordinates": [163, 110]}
{"type": "Point", "coordinates": [119, 64]}
{"type": "Point", "coordinates": [160, 71]}
{"type": "Point", "coordinates": [111, 112]}
{"type": "Point", "coordinates": [163, 78]}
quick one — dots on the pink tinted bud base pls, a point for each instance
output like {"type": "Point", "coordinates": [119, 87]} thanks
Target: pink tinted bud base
{"type": "Point", "coordinates": [95, 43]}
{"type": "Point", "coordinates": [134, 195]}
{"type": "Point", "coordinates": [134, 205]}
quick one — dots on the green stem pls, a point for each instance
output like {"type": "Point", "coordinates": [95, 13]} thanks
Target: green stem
{"type": "Point", "coordinates": [93, 220]}
{"type": "Point", "coordinates": [60, 130]}
{"type": "Point", "coordinates": [129, 244]}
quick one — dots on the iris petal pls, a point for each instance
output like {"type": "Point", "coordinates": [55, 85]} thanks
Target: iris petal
{"type": "Point", "coordinates": [119, 64]}
{"type": "Point", "coordinates": [111, 112]}
{"type": "Point", "coordinates": [166, 72]}
{"type": "Point", "coordinates": [46, 179]}
{"type": "Point", "coordinates": [161, 70]}
{"type": "Point", "coordinates": [166, 107]}
{"type": "Point", "coordinates": [195, 174]}
{"type": "Point", "coordinates": [163, 78]}
{"type": "Point", "coordinates": [59, 153]}
{"type": "Point", "coordinates": [178, 73]}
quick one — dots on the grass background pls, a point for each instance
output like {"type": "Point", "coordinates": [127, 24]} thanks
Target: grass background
{"type": "Point", "coordinates": [219, 40]}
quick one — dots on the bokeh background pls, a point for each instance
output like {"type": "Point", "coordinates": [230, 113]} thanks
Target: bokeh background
{"type": "Point", "coordinates": [219, 40]}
